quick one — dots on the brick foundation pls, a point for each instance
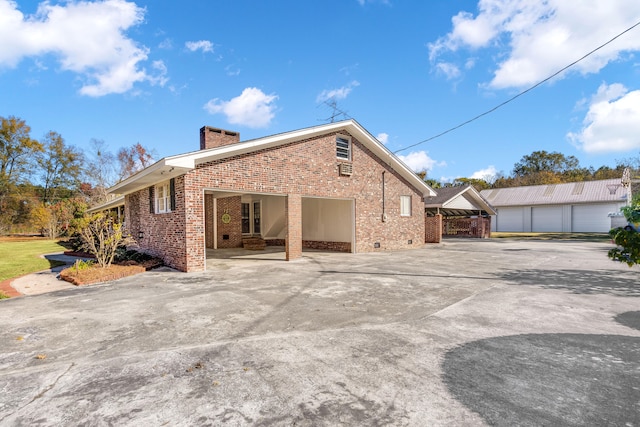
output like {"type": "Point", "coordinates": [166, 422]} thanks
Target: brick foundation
{"type": "Point", "coordinates": [328, 246]}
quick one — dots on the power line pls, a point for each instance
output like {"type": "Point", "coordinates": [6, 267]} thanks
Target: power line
{"type": "Point", "coordinates": [519, 94]}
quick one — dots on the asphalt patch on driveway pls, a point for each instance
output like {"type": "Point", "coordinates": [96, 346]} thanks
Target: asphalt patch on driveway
{"type": "Point", "coordinates": [630, 319]}
{"type": "Point", "coordinates": [548, 379]}
{"type": "Point", "coordinates": [594, 282]}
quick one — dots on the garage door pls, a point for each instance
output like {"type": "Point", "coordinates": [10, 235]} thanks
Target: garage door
{"type": "Point", "coordinates": [546, 219]}
{"type": "Point", "coordinates": [510, 219]}
{"type": "Point", "coordinates": [592, 218]}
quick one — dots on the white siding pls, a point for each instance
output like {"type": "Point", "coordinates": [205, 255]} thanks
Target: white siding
{"type": "Point", "coordinates": [592, 218]}
{"type": "Point", "coordinates": [546, 219]}
{"type": "Point", "coordinates": [510, 219]}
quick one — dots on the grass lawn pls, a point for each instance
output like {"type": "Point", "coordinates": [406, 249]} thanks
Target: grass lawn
{"type": "Point", "coordinates": [21, 257]}
{"type": "Point", "coordinates": [592, 237]}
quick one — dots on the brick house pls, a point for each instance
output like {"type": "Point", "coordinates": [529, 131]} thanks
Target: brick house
{"type": "Point", "coordinates": [332, 187]}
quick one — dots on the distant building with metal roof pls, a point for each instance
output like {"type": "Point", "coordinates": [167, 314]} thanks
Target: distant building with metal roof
{"type": "Point", "coordinates": [457, 201]}
{"type": "Point", "coordinates": [571, 207]}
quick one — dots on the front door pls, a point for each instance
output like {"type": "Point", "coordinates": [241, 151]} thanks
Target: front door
{"type": "Point", "coordinates": [251, 218]}
{"type": "Point", "coordinates": [256, 218]}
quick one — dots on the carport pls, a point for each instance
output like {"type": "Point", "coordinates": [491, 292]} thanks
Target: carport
{"type": "Point", "coordinates": [247, 225]}
{"type": "Point", "coordinates": [465, 213]}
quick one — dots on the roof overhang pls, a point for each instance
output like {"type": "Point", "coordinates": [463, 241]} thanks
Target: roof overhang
{"type": "Point", "coordinates": [173, 166]}
{"type": "Point", "coordinates": [469, 193]}
{"type": "Point", "coordinates": [110, 204]}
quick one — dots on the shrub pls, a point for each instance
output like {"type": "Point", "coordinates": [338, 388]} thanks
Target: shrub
{"type": "Point", "coordinates": [102, 236]}
{"type": "Point", "coordinates": [627, 239]}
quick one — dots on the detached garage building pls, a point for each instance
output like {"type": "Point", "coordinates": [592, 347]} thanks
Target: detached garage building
{"type": "Point", "coordinates": [578, 207]}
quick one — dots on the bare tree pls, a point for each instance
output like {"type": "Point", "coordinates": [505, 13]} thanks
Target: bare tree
{"type": "Point", "coordinates": [134, 159]}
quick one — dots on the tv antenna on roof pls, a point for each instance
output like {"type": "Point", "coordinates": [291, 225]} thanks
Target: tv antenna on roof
{"type": "Point", "coordinates": [333, 104]}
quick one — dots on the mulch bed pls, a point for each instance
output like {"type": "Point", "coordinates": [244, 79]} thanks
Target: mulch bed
{"type": "Point", "coordinates": [95, 274]}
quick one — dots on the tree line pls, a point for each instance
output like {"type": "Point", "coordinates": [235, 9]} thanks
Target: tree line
{"type": "Point", "coordinates": [46, 183]}
{"type": "Point", "coordinates": [541, 168]}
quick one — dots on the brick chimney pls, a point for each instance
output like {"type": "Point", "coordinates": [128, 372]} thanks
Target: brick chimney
{"type": "Point", "coordinates": [213, 137]}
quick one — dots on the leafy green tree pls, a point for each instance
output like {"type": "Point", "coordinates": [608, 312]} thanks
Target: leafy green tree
{"type": "Point", "coordinates": [627, 238]}
{"type": "Point", "coordinates": [430, 182]}
{"type": "Point", "coordinates": [17, 154]}
{"type": "Point", "coordinates": [60, 166]}
{"type": "Point", "coordinates": [478, 184]}
{"type": "Point", "coordinates": [542, 161]}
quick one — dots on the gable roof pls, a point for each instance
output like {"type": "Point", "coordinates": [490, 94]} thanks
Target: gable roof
{"type": "Point", "coordinates": [458, 201]}
{"type": "Point", "coordinates": [557, 194]}
{"type": "Point", "coordinates": [173, 166]}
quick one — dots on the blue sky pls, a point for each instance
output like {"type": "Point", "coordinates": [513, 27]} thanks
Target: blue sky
{"type": "Point", "coordinates": [154, 72]}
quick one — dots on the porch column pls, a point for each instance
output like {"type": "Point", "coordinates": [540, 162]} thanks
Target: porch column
{"type": "Point", "coordinates": [293, 214]}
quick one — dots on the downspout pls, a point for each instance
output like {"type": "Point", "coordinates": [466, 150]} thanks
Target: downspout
{"type": "Point", "coordinates": [384, 215]}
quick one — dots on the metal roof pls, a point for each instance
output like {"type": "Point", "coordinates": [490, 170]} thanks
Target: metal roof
{"type": "Point", "coordinates": [608, 190]}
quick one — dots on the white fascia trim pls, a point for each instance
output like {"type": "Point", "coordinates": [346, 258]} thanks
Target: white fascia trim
{"type": "Point", "coordinates": [135, 177]}
{"type": "Point", "coordinates": [392, 160]}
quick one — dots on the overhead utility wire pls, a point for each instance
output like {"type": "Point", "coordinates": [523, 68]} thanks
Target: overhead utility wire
{"type": "Point", "coordinates": [519, 94]}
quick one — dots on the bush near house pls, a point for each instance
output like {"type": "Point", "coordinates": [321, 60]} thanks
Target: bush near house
{"type": "Point", "coordinates": [627, 239]}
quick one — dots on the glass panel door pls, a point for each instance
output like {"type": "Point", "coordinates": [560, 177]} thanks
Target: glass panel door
{"type": "Point", "coordinates": [256, 217]}
{"type": "Point", "coordinates": [246, 224]}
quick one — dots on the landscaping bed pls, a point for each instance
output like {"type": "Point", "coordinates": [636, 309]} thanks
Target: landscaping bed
{"type": "Point", "coordinates": [128, 264]}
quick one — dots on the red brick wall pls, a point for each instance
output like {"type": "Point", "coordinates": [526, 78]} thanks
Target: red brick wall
{"type": "Point", "coordinates": [233, 230]}
{"type": "Point", "coordinates": [304, 168]}
{"type": "Point", "coordinates": [164, 234]}
{"type": "Point", "coordinates": [433, 229]}
{"type": "Point", "coordinates": [209, 236]}
{"type": "Point", "coordinates": [310, 168]}
{"type": "Point", "coordinates": [293, 213]}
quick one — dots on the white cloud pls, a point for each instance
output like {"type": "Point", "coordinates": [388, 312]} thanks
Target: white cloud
{"type": "Point", "coordinates": [203, 45]}
{"type": "Point", "coordinates": [419, 161]}
{"type": "Point", "coordinates": [166, 44]}
{"type": "Point", "coordinates": [488, 174]}
{"type": "Point", "coordinates": [612, 123]}
{"type": "Point", "coordinates": [537, 38]}
{"type": "Point", "coordinates": [252, 108]}
{"type": "Point", "coordinates": [448, 69]}
{"type": "Point", "coordinates": [383, 137]}
{"type": "Point", "coordinates": [87, 38]}
{"type": "Point", "coordinates": [340, 93]}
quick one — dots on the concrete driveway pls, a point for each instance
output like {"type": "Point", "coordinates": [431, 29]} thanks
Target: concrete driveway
{"type": "Point", "coordinates": [469, 332]}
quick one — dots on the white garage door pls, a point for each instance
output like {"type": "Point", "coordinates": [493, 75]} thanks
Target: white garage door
{"type": "Point", "coordinates": [510, 219]}
{"type": "Point", "coordinates": [592, 218]}
{"type": "Point", "coordinates": [546, 219]}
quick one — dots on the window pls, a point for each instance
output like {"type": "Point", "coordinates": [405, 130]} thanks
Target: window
{"type": "Point", "coordinates": [162, 193]}
{"type": "Point", "coordinates": [343, 148]}
{"type": "Point", "coordinates": [405, 205]}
